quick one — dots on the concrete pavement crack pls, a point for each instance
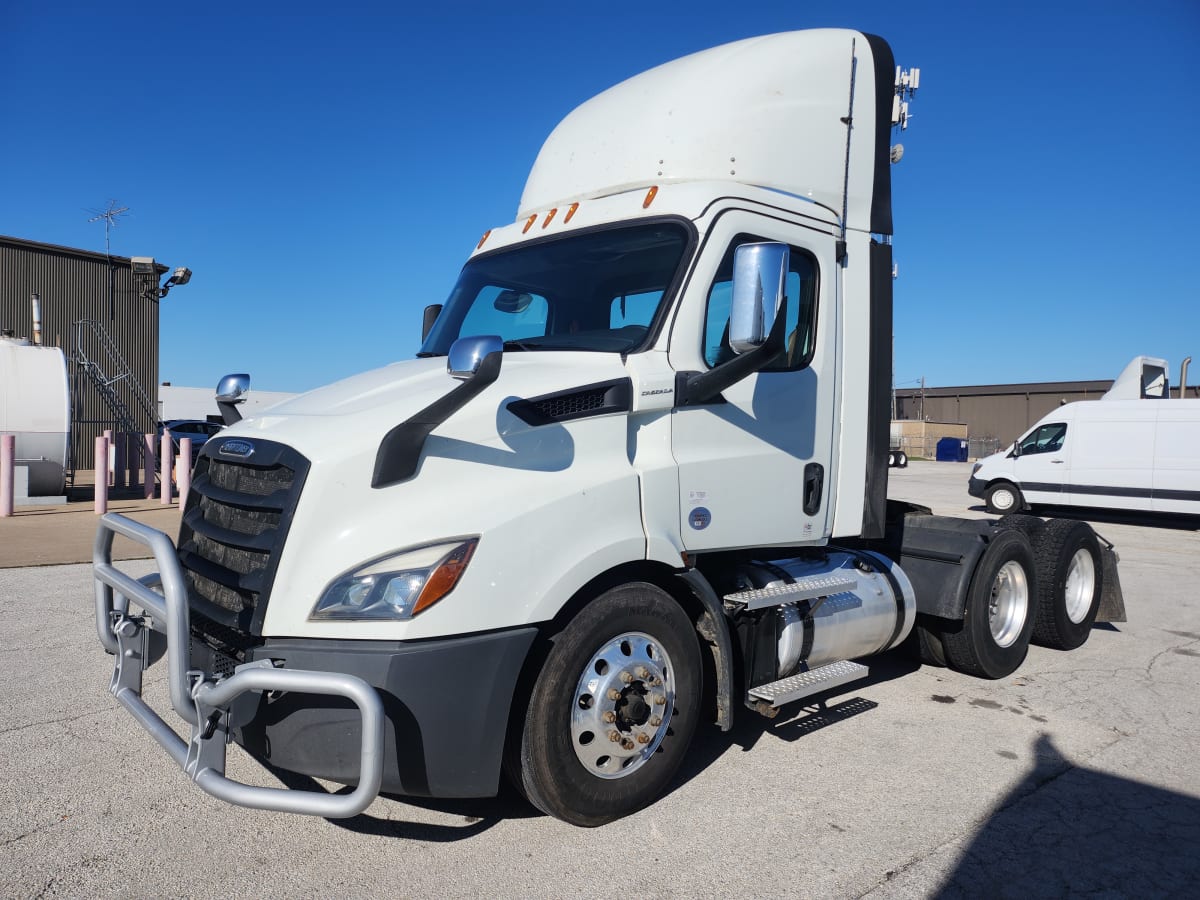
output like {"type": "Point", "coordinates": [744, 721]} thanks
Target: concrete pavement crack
{"type": "Point", "coordinates": [82, 715]}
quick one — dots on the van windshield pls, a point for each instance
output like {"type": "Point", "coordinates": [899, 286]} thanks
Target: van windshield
{"type": "Point", "coordinates": [597, 291]}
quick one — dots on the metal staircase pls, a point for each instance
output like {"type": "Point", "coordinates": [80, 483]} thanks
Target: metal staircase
{"type": "Point", "coordinates": [98, 360]}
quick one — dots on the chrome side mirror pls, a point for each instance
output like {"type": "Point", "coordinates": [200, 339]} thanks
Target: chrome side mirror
{"type": "Point", "coordinates": [759, 278]}
{"type": "Point", "coordinates": [231, 391]}
{"type": "Point", "coordinates": [231, 388]}
{"type": "Point", "coordinates": [467, 353]}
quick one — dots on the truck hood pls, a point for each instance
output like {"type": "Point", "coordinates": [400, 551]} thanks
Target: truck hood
{"type": "Point", "coordinates": [339, 419]}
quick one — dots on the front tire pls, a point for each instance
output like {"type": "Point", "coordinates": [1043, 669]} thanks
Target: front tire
{"type": "Point", "coordinates": [1070, 578]}
{"type": "Point", "coordinates": [616, 704]}
{"type": "Point", "coordinates": [999, 615]}
{"type": "Point", "coordinates": [1003, 498]}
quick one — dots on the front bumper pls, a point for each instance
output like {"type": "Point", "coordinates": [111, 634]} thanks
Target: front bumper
{"type": "Point", "coordinates": [426, 718]}
{"type": "Point", "coordinates": [976, 487]}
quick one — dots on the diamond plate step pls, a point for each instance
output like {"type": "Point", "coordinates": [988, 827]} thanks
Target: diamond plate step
{"type": "Point", "coordinates": [807, 683]}
{"type": "Point", "coordinates": [807, 588]}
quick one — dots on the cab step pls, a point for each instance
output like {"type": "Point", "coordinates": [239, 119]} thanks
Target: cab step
{"type": "Point", "coordinates": [809, 587]}
{"type": "Point", "coordinates": [804, 684]}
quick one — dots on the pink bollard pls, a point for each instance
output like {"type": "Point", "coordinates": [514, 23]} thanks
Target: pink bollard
{"type": "Point", "coordinates": [101, 475]}
{"type": "Point", "coordinates": [164, 469]}
{"type": "Point", "coordinates": [185, 470]}
{"type": "Point", "coordinates": [148, 461]}
{"type": "Point", "coordinates": [8, 457]}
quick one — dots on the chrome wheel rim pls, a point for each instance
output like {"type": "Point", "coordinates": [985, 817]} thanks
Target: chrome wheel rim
{"type": "Point", "coordinates": [1080, 585]}
{"type": "Point", "coordinates": [622, 706]}
{"type": "Point", "coordinates": [1008, 605]}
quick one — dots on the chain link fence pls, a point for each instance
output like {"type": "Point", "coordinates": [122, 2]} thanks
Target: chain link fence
{"type": "Point", "coordinates": [925, 447]}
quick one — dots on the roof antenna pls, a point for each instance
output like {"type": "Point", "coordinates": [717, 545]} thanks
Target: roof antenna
{"type": "Point", "coordinates": [109, 215]}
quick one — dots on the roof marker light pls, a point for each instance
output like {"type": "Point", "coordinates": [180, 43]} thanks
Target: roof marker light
{"type": "Point", "coordinates": [550, 216]}
{"type": "Point", "coordinates": [486, 235]}
{"type": "Point", "coordinates": [529, 223]}
{"type": "Point", "coordinates": [650, 195]}
{"type": "Point", "coordinates": [570, 212]}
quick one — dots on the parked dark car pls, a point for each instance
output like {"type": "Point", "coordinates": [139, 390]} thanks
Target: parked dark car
{"type": "Point", "coordinates": [199, 431]}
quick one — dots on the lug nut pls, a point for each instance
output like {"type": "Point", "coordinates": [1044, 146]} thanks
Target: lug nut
{"type": "Point", "coordinates": [659, 700]}
{"type": "Point", "coordinates": [643, 738]}
{"type": "Point", "coordinates": [643, 672]}
{"type": "Point", "coordinates": [627, 744]}
{"type": "Point", "coordinates": [655, 721]}
{"type": "Point", "coordinates": [609, 716]}
{"type": "Point", "coordinates": [614, 736]}
{"type": "Point", "coordinates": [614, 694]}
{"type": "Point", "coordinates": [626, 677]}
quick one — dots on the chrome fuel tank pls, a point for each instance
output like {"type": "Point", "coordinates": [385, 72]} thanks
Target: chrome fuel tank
{"type": "Point", "coordinates": [875, 615]}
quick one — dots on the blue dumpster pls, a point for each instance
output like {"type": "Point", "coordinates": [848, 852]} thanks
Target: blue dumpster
{"type": "Point", "coordinates": [951, 449]}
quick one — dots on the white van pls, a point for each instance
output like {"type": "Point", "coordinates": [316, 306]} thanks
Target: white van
{"type": "Point", "coordinates": [1141, 454]}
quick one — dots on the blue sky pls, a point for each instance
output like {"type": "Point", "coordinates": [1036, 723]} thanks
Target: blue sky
{"type": "Point", "coordinates": [324, 174]}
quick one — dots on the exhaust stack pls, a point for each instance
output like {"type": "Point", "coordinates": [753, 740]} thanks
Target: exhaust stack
{"type": "Point", "coordinates": [35, 302]}
{"type": "Point", "coordinates": [1183, 367]}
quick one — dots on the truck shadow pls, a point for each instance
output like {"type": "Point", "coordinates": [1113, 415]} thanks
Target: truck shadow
{"type": "Point", "coordinates": [1067, 830]}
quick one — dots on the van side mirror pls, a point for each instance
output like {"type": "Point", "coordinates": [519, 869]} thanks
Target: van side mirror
{"type": "Point", "coordinates": [759, 279]}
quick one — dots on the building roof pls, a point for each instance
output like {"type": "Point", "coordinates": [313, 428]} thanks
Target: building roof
{"type": "Point", "coordinates": [1035, 387]}
{"type": "Point", "coordinates": [72, 251]}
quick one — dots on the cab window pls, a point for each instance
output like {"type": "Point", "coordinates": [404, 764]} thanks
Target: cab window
{"type": "Point", "coordinates": [1046, 439]}
{"type": "Point", "coordinates": [801, 312]}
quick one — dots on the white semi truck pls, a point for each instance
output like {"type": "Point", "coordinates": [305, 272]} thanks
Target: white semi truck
{"type": "Point", "coordinates": [635, 480]}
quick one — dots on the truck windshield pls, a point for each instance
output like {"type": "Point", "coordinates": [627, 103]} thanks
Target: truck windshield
{"type": "Point", "coordinates": [597, 291]}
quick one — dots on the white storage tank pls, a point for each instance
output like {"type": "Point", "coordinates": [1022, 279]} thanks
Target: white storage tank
{"type": "Point", "coordinates": [35, 405]}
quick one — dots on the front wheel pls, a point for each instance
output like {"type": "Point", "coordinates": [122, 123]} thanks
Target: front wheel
{"type": "Point", "coordinates": [614, 708]}
{"type": "Point", "coordinates": [999, 615]}
{"type": "Point", "coordinates": [1002, 498]}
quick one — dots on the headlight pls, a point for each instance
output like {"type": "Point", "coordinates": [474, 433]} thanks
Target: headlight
{"type": "Point", "coordinates": [975, 468]}
{"type": "Point", "coordinates": [397, 586]}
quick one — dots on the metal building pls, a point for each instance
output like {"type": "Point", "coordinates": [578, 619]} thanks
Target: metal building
{"type": "Point", "coordinates": [103, 312]}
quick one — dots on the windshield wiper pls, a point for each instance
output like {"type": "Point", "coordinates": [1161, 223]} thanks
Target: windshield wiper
{"type": "Point", "coordinates": [520, 345]}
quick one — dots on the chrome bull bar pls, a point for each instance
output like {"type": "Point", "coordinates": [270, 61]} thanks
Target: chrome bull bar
{"type": "Point", "coordinates": [204, 701]}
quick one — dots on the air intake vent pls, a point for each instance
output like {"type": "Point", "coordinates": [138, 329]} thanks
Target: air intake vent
{"type": "Point", "coordinates": [577, 403]}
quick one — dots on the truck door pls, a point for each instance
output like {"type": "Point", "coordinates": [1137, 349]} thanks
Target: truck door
{"type": "Point", "coordinates": [755, 465]}
{"type": "Point", "coordinates": [1041, 464]}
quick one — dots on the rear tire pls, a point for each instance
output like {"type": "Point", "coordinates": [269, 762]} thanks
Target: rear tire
{"type": "Point", "coordinates": [998, 619]}
{"type": "Point", "coordinates": [1003, 498]}
{"type": "Point", "coordinates": [1070, 584]}
{"type": "Point", "coordinates": [588, 757]}
{"type": "Point", "coordinates": [902, 460]}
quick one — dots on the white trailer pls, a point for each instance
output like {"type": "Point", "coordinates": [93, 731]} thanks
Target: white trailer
{"type": "Point", "coordinates": [636, 479]}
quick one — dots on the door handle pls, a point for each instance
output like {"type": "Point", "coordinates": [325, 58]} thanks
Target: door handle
{"type": "Point", "coordinates": [1057, 462]}
{"type": "Point", "coordinates": [814, 479]}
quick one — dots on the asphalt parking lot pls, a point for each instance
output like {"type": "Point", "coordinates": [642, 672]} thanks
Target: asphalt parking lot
{"type": "Point", "coordinates": [1078, 775]}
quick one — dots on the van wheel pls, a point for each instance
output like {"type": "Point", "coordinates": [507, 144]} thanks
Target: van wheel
{"type": "Point", "coordinates": [614, 708]}
{"type": "Point", "coordinates": [1070, 584]}
{"type": "Point", "coordinates": [892, 459]}
{"type": "Point", "coordinates": [1002, 498]}
{"type": "Point", "coordinates": [902, 460]}
{"type": "Point", "coordinates": [998, 619]}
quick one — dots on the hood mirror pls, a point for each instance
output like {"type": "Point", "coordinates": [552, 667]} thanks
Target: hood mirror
{"type": "Point", "coordinates": [231, 390]}
{"type": "Point", "coordinates": [467, 353]}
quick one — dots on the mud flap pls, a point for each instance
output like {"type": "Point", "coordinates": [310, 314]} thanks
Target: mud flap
{"type": "Point", "coordinates": [1112, 600]}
